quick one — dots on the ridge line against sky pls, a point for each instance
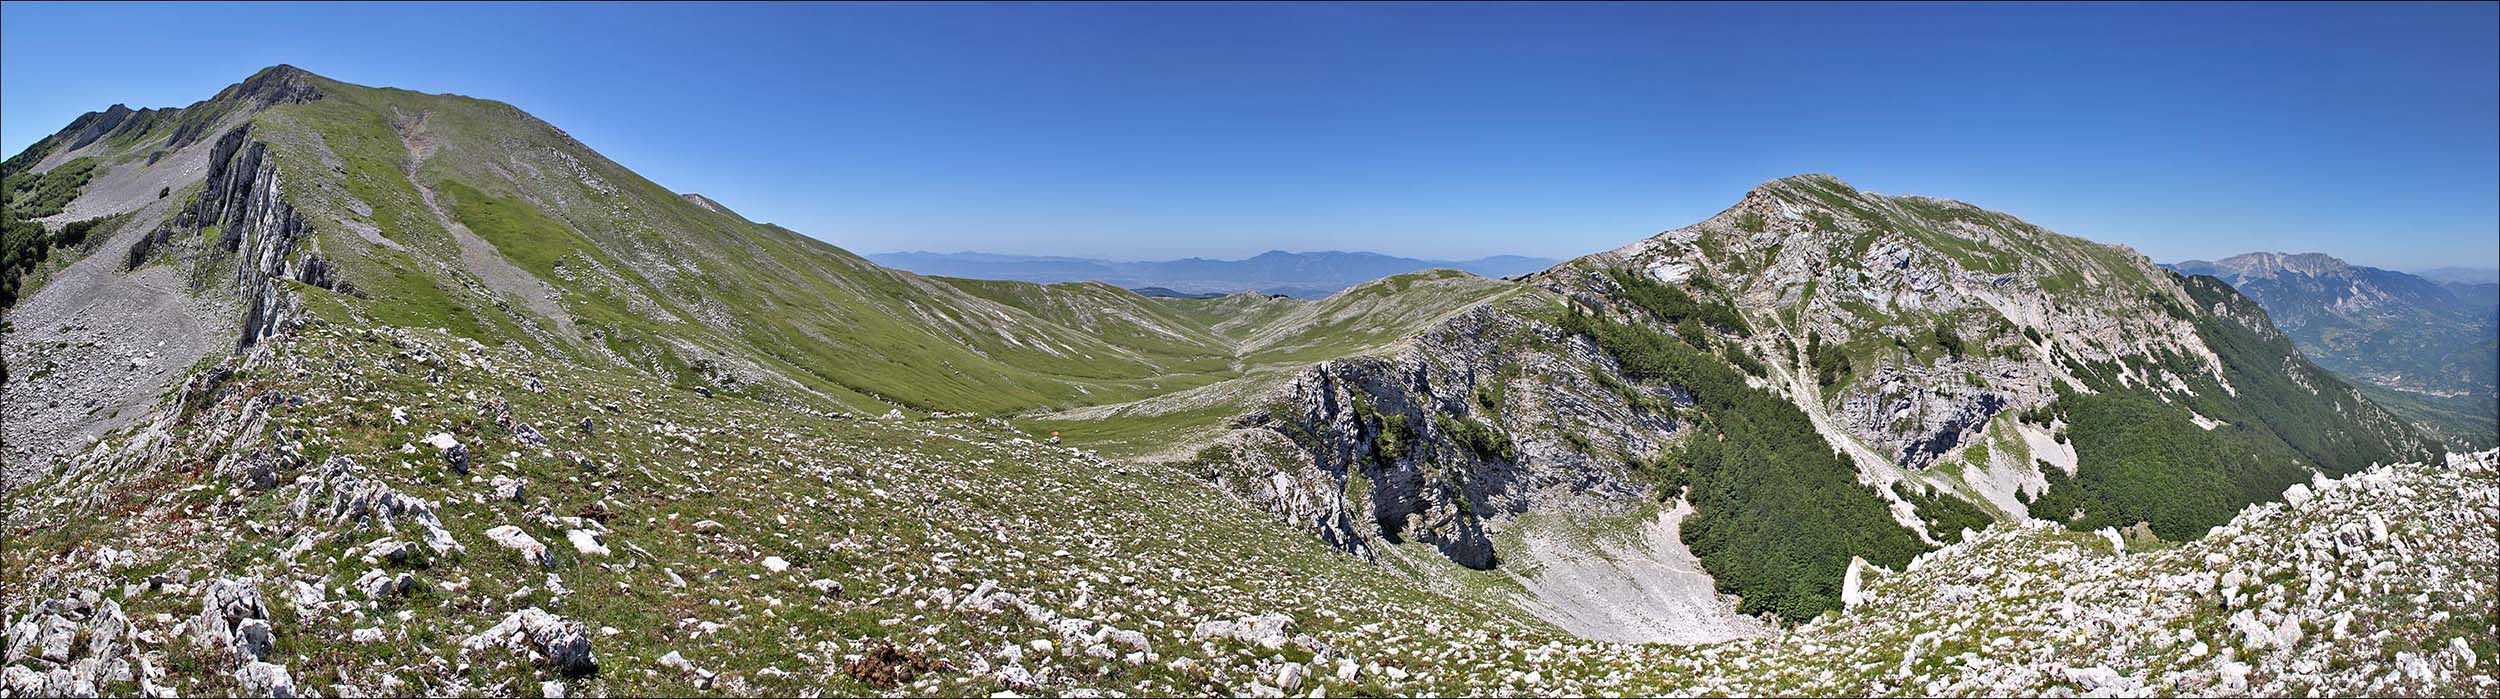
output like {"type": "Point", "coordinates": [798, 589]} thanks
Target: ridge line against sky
{"type": "Point", "coordinates": [1436, 132]}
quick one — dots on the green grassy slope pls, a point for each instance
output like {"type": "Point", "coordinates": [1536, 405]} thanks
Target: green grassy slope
{"type": "Point", "coordinates": [690, 295]}
{"type": "Point", "coordinates": [1267, 341]}
{"type": "Point", "coordinates": [468, 215]}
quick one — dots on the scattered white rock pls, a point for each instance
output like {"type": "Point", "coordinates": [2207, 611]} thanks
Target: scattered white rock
{"type": "Point", "coordinates": [1852, 584]}
{"type": "Point", "coordinates": [586, 542]}
{"type": "Point", "coordinates": [546, 639]}
{"type": "Point", "coordinates": [260, 679]}
{"type": "Point", "coordinates": [507, 489]}
{"type": "Point", "coordinates": [512, 537]}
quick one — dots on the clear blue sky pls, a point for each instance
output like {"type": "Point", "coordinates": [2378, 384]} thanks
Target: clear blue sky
{"type": "Point", "coordinates": [2364, 131]}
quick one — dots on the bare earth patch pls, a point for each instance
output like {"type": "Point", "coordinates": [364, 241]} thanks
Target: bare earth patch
{"type": "Point", "coordinates": [1647, 588]}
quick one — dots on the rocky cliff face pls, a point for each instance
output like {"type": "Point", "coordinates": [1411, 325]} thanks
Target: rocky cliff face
{"type": "Point", "coordinates": [1873, 279]}
{"type": "Point", "coordinates": [1810, 263]}
{"type": "Point", "coordinates": [198, 246]}
{"type": "Point", "coordinates": [1494, 413]}
{"type": "Point", "coordinates": [244, 200]}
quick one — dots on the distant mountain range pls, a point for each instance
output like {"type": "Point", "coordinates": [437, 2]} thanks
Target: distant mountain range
{"type": "Point", "coordinates": [1297, 274]}
{"type": "Point", "coordinates": [2429, 348]}
{"type": "Point", "coordinates": [1157, 292]}
{"type": "Point", "coordinates": [2461, 275]}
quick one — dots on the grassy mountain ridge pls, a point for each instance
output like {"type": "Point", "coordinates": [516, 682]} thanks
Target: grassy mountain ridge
{"type": "Point", "coordinates": [469, 214]}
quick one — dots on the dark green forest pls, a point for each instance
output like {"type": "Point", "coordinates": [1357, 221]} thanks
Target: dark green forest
{"type": "Point", "coordinates": [2143, 459]}
{"type": "Point", "coordinates": [25, 196]}
{"type": "Point", "coordinates": [1779, 514]}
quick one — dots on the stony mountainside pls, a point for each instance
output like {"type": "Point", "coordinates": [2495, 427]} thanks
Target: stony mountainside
{"type": "Point", "coordinates": [359, 511]}
{"type": "Point", "coordinates": [321, 388]}
{"type": "Point", "coordinates": [2432, 348]}
{"type": "Point", "coordinates": [1821, 374]}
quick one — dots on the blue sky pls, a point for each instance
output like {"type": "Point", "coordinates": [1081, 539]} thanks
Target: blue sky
{"type": "Point", "coordinates": [1131, 131]}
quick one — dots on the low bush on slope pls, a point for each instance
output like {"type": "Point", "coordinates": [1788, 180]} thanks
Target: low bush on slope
{"type": "Point", "coordinates": [25, 196]}
{"type": "Point", "coordinates": [36, 195]}
{"type": "Point", "coordinates": [1946, 516]}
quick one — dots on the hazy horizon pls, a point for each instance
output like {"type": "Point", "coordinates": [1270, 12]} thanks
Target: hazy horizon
{"type": "Point", "coordinates": [1145, 132]}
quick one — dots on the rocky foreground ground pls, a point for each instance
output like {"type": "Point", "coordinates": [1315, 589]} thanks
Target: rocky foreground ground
{"type": "Point", "coordinates": [359, 512]}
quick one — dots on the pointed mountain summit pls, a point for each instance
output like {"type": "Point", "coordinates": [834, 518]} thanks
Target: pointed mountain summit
{"type": "Point", "coordinates": [708, 205]}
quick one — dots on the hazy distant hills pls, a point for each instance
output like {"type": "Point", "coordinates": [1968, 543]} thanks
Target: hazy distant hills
{"type": "Point", "coordinates": [2461, 275]}
{"type": "Point", "coordinates": [1157, 292]}
{"type": "Point", "coordinates": [2436, 341]}
{"type": "Point", "coordinates": [1299, 274]}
